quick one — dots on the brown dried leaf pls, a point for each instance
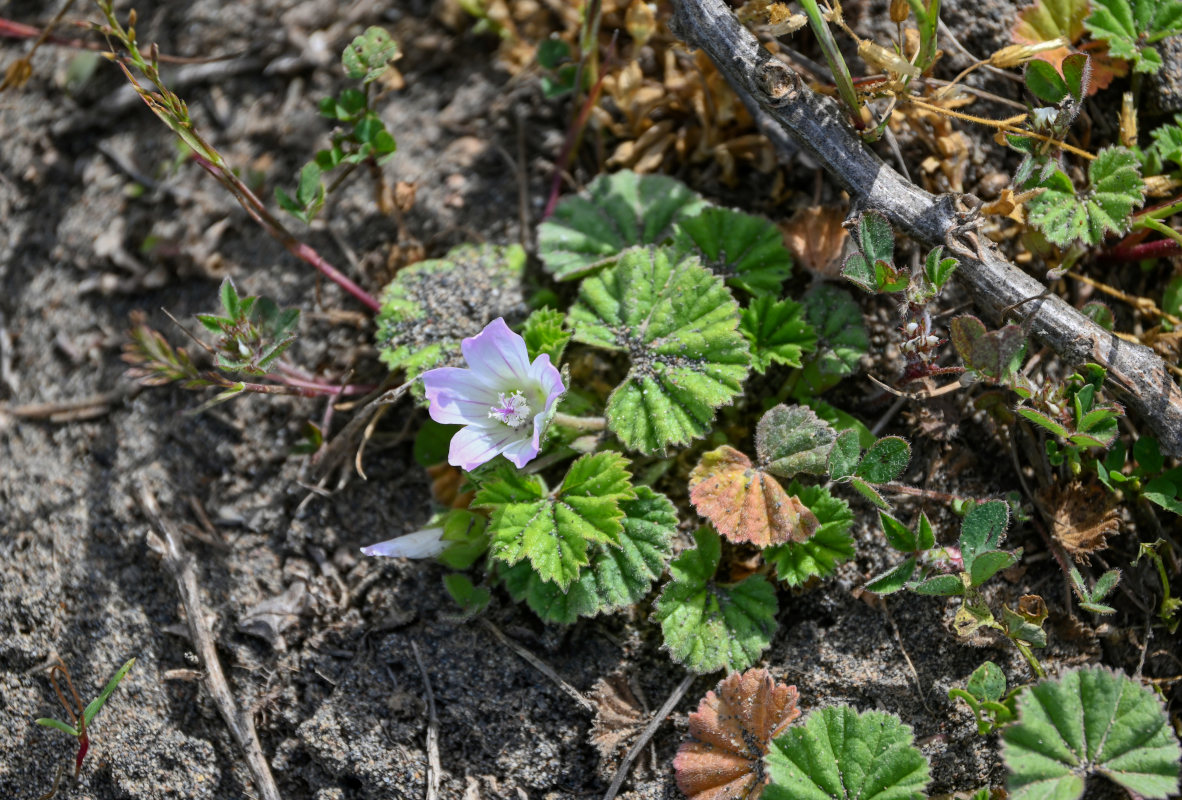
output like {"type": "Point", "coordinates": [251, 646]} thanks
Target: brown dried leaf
{"type": "Point", "coordinates": [618, 718]}
{"type": "Point", "coordinates": [817, 239]}
{"type": "Point", "coordinates": [746, 504]}
{"type": "Point", "coordinates": [1082, 517]}
{"type": "Point", "coordinates": [731, 732]}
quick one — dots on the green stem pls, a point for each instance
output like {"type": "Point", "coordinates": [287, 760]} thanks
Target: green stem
{"type": "Point", "coordinates": [1030, 659]}
{"type": "Point", "coordinates": [580, 423]}
{"type": "Point", "coordinates": [1161, 227]}
{"type": "Point", "coordinates": [837, 65]}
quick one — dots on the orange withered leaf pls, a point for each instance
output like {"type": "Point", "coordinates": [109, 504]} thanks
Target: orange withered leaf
{"type": "Point", "coordinates": [731, 732]}
{"type": "Point", "coordinates": [746, 504]}
{"type": "Point", "coordinates": [816, 238]}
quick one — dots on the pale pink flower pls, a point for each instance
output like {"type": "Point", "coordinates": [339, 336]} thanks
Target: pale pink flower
{"type": "Point", "coordinates": [503, 401]}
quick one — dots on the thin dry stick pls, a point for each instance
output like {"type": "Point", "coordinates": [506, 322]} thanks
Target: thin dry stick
{"type": "Point", "coordinates": [541, 667]}
{"type": "Point", "coordinates": [886, 612]}
{"type": "Point", "coordinates": [791, 114]}
{"type": "Point", "coordinates": [646, 734]}
{"type": "Point", "coordinates": [241, 725]}
{"type": "Point", "coordinates": [434, 770]}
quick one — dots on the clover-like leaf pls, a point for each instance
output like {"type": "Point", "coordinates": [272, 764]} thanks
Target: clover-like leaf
{"type": "Point", "coordinates": [555, 530]}
{"type": "Point", "coordinates": [544, 332]}
{"type": "Point", "coordinates": [1091, 721]}
{"type": "Point", "coordinates": [1129, 28]}
{"type": "Point", "coordinates": [841, 337]}
{"type": "Point", "coordinates": [872, 267]}
{"type": "Point", "coordinates": [589, 230]}
{"type": "Point", "coordinates": [744, 250]}
{"type": "Point", "coordinates": [982, 530]}
{"type": "Point", "coordinates": [617, 576]}
{"type": "Point", "coordinates": [709, 625]}
{"type": "Point", "coordinates": [730, 734]}
{"type": "Point", "coordinates": [1047, 20]}
{"type": "Point", "coordinates": [840, 754]}
{"type": "Point", "coordinates": [369, 55]}
{"type": "Point", "coordinates": [430, 306]}
{"type": "Point", "coordinates": [994, 355]}
{"type": "Point", "coordinates": [885, 460]}
{"type": "Point", "coordinates": [745, 503]}
{"type": "Point", "coordinates": [1114, 189]}
{"type": "Point", "coordinates": [843, 458]}
{"type": "Point", "coordinates": [678, 324]}
{"type": "Point", "coordinates": [830, 545]}
{"type": "Point", "coordinates": [793, 439]}
{"type": "Point", "coordinates": [777, 331]}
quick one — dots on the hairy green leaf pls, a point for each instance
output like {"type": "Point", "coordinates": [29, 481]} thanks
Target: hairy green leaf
{"type": "Point", "coordinates": [982, 530]}
{"type": "Point", "coordinates": [554, 530]}
{"type": "Point", "coordinates": [793, 439]}
{"type": "Point", "coordinates": [839, 754]}
{"type": "Point", "coordinates": [841, 337]}
{"type": "Point", "coordinates": [544, 333]}
{"type": "Point", "coordinates": [885, 460]}
{"type": "Point", "coordinates": [678, 324]}
{"type": "Point", "coordinates": [369, 55]}
{"type": "Point", "coordinates": [590, 230]}
{"type": "Point", "coordinates": [1114, 189]}
{"type": "Point", "coordinates": [744, 250]}
{"type": "Point", "coordinates": [1091, 721]}
{"type": "Point", "coordinates": [1130, 27]}
{"type": "Point", "coordinates": [709, 625]}
{"type": "Point", "coordinates": [777, 332]}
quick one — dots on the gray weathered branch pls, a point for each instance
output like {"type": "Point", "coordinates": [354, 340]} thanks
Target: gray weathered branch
{"type": "Point", "coordinates": [780, 101]}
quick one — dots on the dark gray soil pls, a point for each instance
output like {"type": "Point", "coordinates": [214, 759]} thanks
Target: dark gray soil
{"type": "Point", "coordinates": [330, 678]}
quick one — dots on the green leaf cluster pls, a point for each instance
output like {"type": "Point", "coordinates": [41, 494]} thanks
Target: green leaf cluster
{"type": "Point", "coordinates": [1131, 27]}
{"type": "Point", "coordinates": [1090, 722]}
{"type": "Point", "coordinates": [616, 576]}
{"type": "Point", "coordinates": [93, 707]}
{"type": "Point", "coordinates": [253, 332]}
{"type": "Point", "coordinates": [841, 339]}
{"type": "Point", "coordinates": [554, 530]}
{"type": "Point", "coordinates": [709, 625]}
{"type": "Point", "coordinates": [839, 754]}
{"type": "Point", "coordinates": [818, 556]}
{"type": "Point", "coordinates": [1074, 412]}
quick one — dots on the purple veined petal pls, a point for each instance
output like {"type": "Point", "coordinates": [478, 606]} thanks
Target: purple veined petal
{"type": "Point", "coordinates": [475, 445]}
{"type": "Point", "coordinates": [426, 543]}
{"type": "Point", "coordinates": [498, 355]}
{"type": "Point", "coordinates": [457, 396]}
{"type": "Point", "coordinates": [524, 450]}
{"type": "Point", "coordinates": [547, 376]}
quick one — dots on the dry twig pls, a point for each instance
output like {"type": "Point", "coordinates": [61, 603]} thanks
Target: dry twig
{"type": "Point", "coordinates": [647, 734]}
{"type": "Point", "coordinates": [786, 110]}
{"type": "Point", "coordinates": [434, 770]}
{"type": "Point", "coordinates": [541, 666]}
{"type": "Point", "coordinates": [168, 544]}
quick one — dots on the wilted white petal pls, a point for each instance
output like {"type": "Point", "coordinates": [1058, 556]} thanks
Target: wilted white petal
{"type": "Point", "coordinates": [426, 543]}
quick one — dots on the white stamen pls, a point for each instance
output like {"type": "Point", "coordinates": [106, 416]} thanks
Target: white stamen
{"type": "Point", "coordinates": [511, 410]}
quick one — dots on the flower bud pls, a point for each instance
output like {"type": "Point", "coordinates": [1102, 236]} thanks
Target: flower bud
{"type": "Point", "coordinates": [1017, 54]}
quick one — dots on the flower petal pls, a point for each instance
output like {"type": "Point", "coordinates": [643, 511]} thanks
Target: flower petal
{"type": "Point", "coordinates": [524, 450]}
{"type": "Point", "coordinates": [547, 376]}
{"type": "Point", "coordinates": [475, 445]}
{"type": "Point", "coordinates": [426, 543]}
{"type": "Point", "coordinates": [498, 355]}
{"type": "Point", "coordinates": [457, 396]}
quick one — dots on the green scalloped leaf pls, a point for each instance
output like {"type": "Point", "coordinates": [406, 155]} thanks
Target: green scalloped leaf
{"type": "Point", "coordinates": [797, 562]}
{"type": "Point", "coordinates": [617, 576]}
{"type": "Point", "coordinates": [746, 251]}
{"type": "Point", "coordinates": [1129, 28]}
{"type": "Point", "coordinates": [678, 324]}
{"type": "Point", "coordinates": [841, 338]}
{"type": "Point", "coordinates": [709, 625]}
{"type": "Point", "coordinates": [1114, 189]}
{"type": "Point", "coordinates": [839, 754]}
{"type": "Point", "coordinates": [777, 331]}
{"type": "Point", "coordinates": [430, 306]}
{"type": "Point", "coordinates": [793, 439]}
{"type": "Point", "coordinates": [590, 230]}
{"type": "Point", "coordinates": [545, 332]}
{"type": "Point", "coordinates": [555, 530]}
{"type": "Point", "coordinates": [1090, 722]}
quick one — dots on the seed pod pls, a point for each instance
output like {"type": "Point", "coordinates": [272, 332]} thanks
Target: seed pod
{"type": "Point", "coordinates": [887, 60]}
{"type": "Point", "coordinates": [900, 10]}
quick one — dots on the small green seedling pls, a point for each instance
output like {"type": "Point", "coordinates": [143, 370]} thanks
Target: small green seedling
{"type": "Point", "coordinates": [985, 693]}
{"type": "Point", "coordinates": [82, 717]}
{"type": "Point", "coordinates": [1170, 606]}
{"type": "Point", "coordinates": [1093, 599]}
{"type": "Point", "coordinates": [883, 462]}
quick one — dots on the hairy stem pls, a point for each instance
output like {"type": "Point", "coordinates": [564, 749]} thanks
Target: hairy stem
{"type": "Point", "coordinates": [580, 423]}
